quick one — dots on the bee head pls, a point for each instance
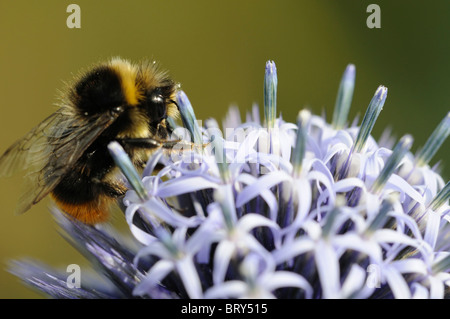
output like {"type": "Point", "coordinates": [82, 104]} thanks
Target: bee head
{"type": "Point", "coordinates": [155, 104]}
{"type": "Point", "coordinates": [140, 94]}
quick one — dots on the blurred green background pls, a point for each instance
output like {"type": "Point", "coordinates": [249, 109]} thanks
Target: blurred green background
{"type": "Point", "coordinates": [217, 51]}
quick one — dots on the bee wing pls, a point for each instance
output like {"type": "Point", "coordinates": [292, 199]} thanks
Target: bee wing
{"type": "Point", "coordinates": [49, 151]}
{"type": "Point", "coordinates": [28, 150]}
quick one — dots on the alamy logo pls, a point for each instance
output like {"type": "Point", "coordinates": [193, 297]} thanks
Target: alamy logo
{"type": "Point", "coordinates": [374, 276]}
{"type": "Point", "coordinates": [74, 19]}
{"type": "Point", "coordinates": [74, 279]}
{"type": "Point", "coordinates": [374, 19]}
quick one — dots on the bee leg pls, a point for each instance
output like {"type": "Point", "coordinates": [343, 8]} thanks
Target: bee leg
{"type": "Point", "coordinates": [140, 142]}
{"type": "Point", "coordinates": [150, 143]}
{"type": "Point", "coordinates": [112, 189]}
{"type": "Point", "coordinates": [170, 146]}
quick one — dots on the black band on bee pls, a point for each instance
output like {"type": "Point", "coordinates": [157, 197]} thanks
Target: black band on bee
{"type": "Point", "coordinates": [98, 91]}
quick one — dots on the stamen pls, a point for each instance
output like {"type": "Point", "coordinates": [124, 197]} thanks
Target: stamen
{"type": "Point", "coordinates": [331, 216]}
{"type": "Point", "coordinates": [224, 196]}
{"type": "Point", "coordinates": [166, 239]}
{"type": "Point", "coordinates": [344, 98]}
{"type": "Point", "coordinates": [434, 142]}
{"type": "Point", "coordinates": [220, 155]}
{"type": "Point", "coordinates": [442, 265]}
{"type": "Point", "coordinates": [441, 198]}
{"type": "Point", "coordinates": [188, 117]}
{"type": "Point", "coordinates": [380, 219]}
{"type": "Point", "coordinates": [403, 146]}
{"type": "Point", "coordinates": [300, 144]}
{"type": "Point", "coordinates": [372, 113]}
{"type": "Point", "coordinates": [270, 94]}
{"type": "Point", "coordinates": [124, 163]}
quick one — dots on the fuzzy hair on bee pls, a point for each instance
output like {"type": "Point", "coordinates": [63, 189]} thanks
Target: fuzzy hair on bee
{"type": "Point", "coordinates": [66, 155]}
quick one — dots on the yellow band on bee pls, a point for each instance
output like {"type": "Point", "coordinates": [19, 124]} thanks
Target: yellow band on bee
{"type": "Point", "coordinates": [127, 74]}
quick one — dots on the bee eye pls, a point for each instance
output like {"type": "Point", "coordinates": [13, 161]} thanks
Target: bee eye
{"type": "Point", "coordinates": [155, 106]}
{"type": "Point", "coordinates": [157, 98]}
{"type": "Point", "coordinates": [117, 110]}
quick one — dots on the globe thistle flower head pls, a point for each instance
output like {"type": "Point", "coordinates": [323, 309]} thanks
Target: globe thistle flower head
{"type": "Point", "coordinates": [273, 209]}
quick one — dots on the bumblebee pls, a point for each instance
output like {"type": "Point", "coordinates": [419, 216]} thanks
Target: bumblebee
{"type": "Point", "coordinates": [66, 155]}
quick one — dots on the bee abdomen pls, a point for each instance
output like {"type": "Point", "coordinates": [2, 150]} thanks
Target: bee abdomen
{"type": "Point", "coordinates": [86, 199]}
{"type": "Point", "coordinates": [91, 212]}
